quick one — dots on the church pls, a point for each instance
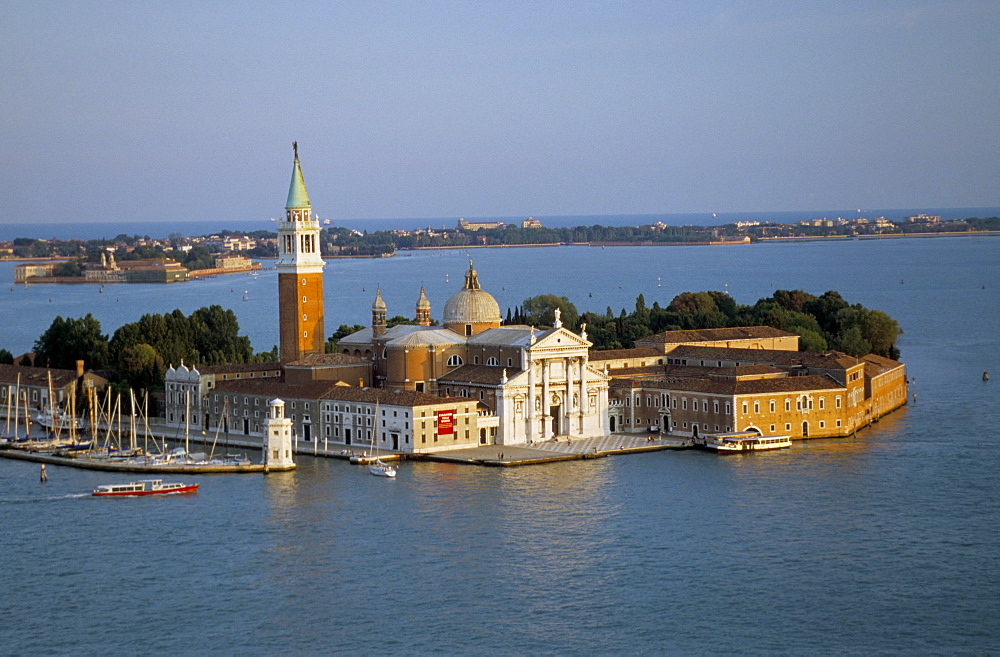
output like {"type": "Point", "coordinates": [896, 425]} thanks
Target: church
{"type": "Point", "coordinates": [530, 385]}
{"type": "Point", "coordinates": [410, 388]}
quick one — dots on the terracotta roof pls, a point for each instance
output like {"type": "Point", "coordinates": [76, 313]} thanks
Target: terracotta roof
{"type": "Point", "coordinates": [828, 359]}
{"type": "Point", "coordinates": [717, 334]}
{"type": "Point", "coordinates": [880, 364]}
{"type": "Point", "coordinates": [36, 376]}
{"type": "Point", "coordinates": [238, 367]}
{"type": "Point", "coordinates": [328, 360]}
{"type": "Point", "coordinates": [622, 354]}
{"type": "Point", "coordinates": [316, 390]}
{"type": "Point", "coordinates": [724, 386]}
{"type": "Point", "coordinates": [490, 375]}
{"type": "Point", "coordinates": [389, 397]}
{"type": "Point", "coordinates": [275, 388]}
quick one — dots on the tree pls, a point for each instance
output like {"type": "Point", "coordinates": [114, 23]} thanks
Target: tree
{"type": "Point", "coordinates": [141, 366]}
{"type": "Point", "coordinates": [540, 311]}
{"type": "Point", "coordinates": [6, 358]}
{"type": "Point", "coordinates": [68, 340]}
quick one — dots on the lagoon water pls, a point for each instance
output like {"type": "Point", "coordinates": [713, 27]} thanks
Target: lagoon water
{"type": "Point", "coordinates": [885, 543]}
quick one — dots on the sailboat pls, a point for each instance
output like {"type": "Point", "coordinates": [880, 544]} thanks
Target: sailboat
{"type": "Point", "coordinates": [379, 468]}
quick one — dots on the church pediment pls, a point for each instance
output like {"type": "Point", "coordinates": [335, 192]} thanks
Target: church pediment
{"type": "Point", "coordinates": [559, 339]}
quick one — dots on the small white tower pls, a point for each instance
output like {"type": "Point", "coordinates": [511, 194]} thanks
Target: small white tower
{"type": "Point", "coordinates": [278, 438]}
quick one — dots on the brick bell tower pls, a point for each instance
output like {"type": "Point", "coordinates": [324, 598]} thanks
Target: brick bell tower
{"type": "Point", "coordinates": [300, 274]}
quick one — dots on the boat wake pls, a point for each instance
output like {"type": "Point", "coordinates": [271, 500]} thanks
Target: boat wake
{"type": "Point", "coordinates": [36, 500]}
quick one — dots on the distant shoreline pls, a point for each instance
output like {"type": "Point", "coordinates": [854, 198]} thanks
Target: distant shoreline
{"type": "Point", "coordinates": [802, 238]}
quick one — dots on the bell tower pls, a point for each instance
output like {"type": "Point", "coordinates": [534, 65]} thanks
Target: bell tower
{"type": "Point", "coordinates": [300, 274]}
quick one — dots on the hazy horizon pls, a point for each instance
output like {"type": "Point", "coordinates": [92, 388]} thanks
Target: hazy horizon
{"type": "Point", "coordinates": [116, 111]}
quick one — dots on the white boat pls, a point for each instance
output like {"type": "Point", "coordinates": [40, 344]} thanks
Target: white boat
{"type": "Point", "coordinates": [143, 487]}
{"type": "Point", "coordinates": [382, 469]}
{"type": "Point", "coordinates": [747, 441]}
{"type": "Point", "coordinates": [379, 468]}
{"type": "Point", "coordinates": [53, 419]}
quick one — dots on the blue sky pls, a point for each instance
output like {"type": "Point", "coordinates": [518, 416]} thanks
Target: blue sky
{"type": "Point", "coordinates": [181, 110]}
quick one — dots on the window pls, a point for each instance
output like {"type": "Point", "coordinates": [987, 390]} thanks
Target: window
{"type": "Point", "coordinates": [492, 361]}
{"type": "Point", "coordinates": [837, 401]}
{"type": "Point", "coordinates": [745, 408]}
{"type": "Point", "coordinates": [822, 403]}
{"type": "Point", "coordinates": [455, 361]}
{"type": "Point", "coordinates": [771, 408]}
{"type": "Point", "coordinates": [788, 405]}
{"type": "Point", "coordinates": [756, 407]}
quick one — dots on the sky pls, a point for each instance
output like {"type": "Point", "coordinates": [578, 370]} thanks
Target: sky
{"type": "Point", "coordinates": [186, 110]}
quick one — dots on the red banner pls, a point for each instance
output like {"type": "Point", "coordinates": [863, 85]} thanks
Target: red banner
{"type": "Point", "coordinates": [446, 423]}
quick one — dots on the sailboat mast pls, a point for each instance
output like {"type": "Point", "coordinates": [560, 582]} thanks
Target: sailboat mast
{"type": "Point", "coordinates": [131, 419]}
{"type": "Point", "coordinates": [17, 404]}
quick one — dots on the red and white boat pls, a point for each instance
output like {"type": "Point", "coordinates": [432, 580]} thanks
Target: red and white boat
{"type": "Point", "coordinates": [748, 441]}
{"type": "Point", "coordinates": [144, 487]}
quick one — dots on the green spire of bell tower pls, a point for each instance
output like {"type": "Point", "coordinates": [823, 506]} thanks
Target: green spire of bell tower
{"type": "Point", "coordinates": [298, 197]}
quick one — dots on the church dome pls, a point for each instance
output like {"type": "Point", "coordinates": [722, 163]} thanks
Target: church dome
{"type": "Point", "coordinates": [471, 304]}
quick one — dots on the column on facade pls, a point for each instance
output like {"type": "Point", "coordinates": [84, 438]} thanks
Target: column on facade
{"type": "Point", "coordinates": [530, 414]}
{"type": "Point", "coordinates": [584, 402]}
{"type": "Point", "coordinates": [631, 407]}
{"type": "Point", "coordinates": [567, 411]}
{"type": "Point", "coordinates": [545, 399]}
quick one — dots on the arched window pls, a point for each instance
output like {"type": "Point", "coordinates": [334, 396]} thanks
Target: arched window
{"type": "Point", "coordinates": [455, 361]}
{"type": "Point", "coordinates": [492, 361]}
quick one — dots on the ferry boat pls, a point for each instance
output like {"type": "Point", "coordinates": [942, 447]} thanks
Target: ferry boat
{"type": "Point", "coordinates": [747, 441]}
{"type": "Point", "coordinates": [144, 487]}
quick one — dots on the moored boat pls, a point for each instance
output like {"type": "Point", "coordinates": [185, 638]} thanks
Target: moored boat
{"type": "Point", "coordinates": [747, 441]}
{"type": "Point", "coordinates": [382, 469]}
{"type": "Point", "coordinates": [144, 487]}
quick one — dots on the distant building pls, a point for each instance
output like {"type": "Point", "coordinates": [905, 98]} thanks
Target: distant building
{"type": "Point", "coordinates": [531, 222]}
{"type": "Point", "coordinates": [923, 219]}
{"type": "Point", "coordinates": [33, 270]}
{"type": "Point", "coordinates": [156, 270]}
{"type": "Point", "coordinates": [479, 225]}
{"type": "Point", "coordinates": [233, 262]}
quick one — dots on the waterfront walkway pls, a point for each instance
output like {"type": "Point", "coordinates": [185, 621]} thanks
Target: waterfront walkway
{"type": "Point", "coordinates": [559, 450]}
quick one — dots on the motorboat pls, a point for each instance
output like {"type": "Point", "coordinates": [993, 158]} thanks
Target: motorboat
{"type": "Point", "coordinates": [748, 441]}
{"type": "Point", "coordinates": [144, 487]}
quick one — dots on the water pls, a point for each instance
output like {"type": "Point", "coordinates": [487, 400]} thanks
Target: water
{"type": "Point", "coordinates": [162, 229]}
{"type": "Point", "coordinates": [880, 544]}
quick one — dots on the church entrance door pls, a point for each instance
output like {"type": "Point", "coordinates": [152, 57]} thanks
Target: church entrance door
{"type": "Point", "coordinates": [554, 411]}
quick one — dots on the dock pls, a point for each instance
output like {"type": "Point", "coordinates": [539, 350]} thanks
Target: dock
{"type": "Point", "coordinates": [563, 449]}
{"type": "Point", "coordinates": [86, 463]}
